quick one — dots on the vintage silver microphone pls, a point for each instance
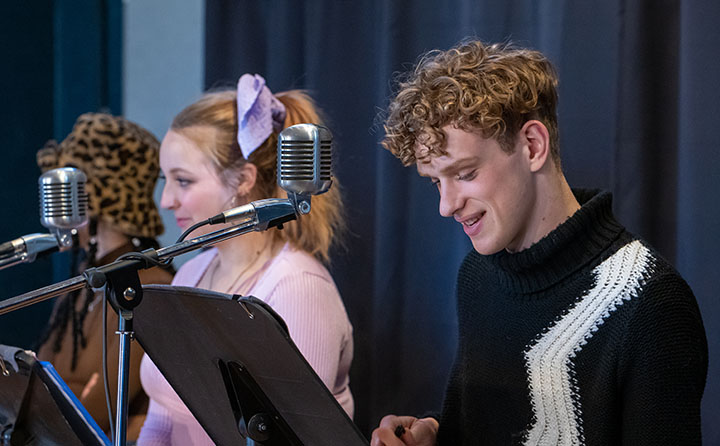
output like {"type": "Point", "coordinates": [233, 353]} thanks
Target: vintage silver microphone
{"type": "Point", "coordinates": [305, 162]}
{"type": "Point", "coordinates": [63, 202]}
{"type": "Point", "coordinates": [304, 169]}
{"type": "Point", "coordinates": [63, 208]}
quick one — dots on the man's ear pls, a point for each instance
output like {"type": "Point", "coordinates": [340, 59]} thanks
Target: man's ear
{"type": "Point", "coordinates": [248, 176]}
{"type": "Point", "coordinates": [536, 141]}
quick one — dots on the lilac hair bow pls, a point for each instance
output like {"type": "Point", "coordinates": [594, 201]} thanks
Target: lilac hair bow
{"type": "Point", "coordinates": [259, 113]}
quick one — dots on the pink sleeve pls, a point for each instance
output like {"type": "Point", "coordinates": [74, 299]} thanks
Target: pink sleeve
{"type": "Point", "coordinates": [318, 325]}
{"type": "Point", "coordinates": [157, 427]}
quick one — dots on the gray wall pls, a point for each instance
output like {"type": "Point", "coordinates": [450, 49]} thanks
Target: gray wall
{"type": "Point", "coordinates": [163, 66]}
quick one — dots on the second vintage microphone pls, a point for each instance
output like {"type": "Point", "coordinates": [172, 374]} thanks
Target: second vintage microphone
{"type": "Point", "coordinates": [305, 159]}
{"type": "Point", "coordinates": [304, 156]}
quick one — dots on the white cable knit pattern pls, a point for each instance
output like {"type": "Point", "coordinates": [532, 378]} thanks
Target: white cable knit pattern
{"type": "Point", "coordinates": [549, 361]}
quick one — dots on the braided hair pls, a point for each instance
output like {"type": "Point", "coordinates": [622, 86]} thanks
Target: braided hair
{"type": "Point", "coordinates": [67, 307]}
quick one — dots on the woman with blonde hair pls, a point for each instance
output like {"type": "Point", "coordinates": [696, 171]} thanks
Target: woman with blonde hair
{"type": "Point", "coordinates": [219, 153]}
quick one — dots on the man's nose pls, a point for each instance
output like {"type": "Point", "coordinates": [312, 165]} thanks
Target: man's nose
{"type": "Point", "coordinates": [449, 199]}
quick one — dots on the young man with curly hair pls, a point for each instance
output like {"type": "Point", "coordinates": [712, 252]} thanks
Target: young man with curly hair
{"type": "Point", "coordinates": [572, 331]}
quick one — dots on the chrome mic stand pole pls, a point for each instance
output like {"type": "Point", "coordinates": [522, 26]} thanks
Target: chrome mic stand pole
{"type": "Point", "coordinates": [126, 333]}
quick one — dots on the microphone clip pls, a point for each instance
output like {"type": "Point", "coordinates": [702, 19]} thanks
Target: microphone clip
{"type": "Point", "coordinates": [64, 237]}
{"type": "Point", "coordinates": [301, 202]}
{"type": "Point", "coordinates": [273, 212]}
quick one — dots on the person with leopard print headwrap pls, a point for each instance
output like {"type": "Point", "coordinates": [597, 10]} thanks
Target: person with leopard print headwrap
{"type": "Point", "coordinates": [120, 161]}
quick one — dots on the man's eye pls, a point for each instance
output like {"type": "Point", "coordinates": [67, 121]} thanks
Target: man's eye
{"type": "Point", "coordinates": [468, 176]}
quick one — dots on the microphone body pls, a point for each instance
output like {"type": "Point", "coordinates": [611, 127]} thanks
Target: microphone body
{"type": "Point", "coordinates": [63, 202]}
{"type": "Point", "coordinates": [305, 161]}
{"type": "Point", "coordinates": [63, 209]}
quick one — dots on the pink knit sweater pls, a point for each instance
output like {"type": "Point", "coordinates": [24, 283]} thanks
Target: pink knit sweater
{"type": "Point", "coordinates": [301, 291]}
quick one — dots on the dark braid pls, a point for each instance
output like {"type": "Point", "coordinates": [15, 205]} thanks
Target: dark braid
{"type": "Point", "coordinates": [89, 297]}
{"type": "Point", "coordinates": [66, 308]}
{"type": "Point", "coordinates": [89, 294]}
{"type": "Point", "coordinates": [67, 303]}
{"type": "Point", "coordinates": [58, 322]}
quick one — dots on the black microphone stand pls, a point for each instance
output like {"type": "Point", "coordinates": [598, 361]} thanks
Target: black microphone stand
{"type": "Point", "coordinates": [123, 290]}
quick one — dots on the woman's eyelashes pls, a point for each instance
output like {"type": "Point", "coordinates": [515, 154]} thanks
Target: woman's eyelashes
{"type": "Point", "coordinates": [179, 180]}
{"type": "Point", "coordinates": [183, 182]}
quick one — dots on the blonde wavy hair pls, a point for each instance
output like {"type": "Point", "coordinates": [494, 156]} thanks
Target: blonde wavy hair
{"type": "Point", "coordinates": [217, 110]}
{"type": "Point", "coordinates": [495, 89]}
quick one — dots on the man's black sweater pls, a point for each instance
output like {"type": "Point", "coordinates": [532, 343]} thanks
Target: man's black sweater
{"type": "Point", "coordinates": [587, 337]}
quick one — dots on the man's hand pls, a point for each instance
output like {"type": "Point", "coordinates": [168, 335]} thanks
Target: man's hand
{"type": "Point", "coordinates": [405, 431]}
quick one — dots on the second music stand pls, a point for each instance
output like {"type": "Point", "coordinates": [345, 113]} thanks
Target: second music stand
{"type": "Point", "coordinates": [232, 362]}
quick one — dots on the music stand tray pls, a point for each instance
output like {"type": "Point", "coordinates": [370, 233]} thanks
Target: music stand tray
{"type": "Point", "coordinates": [232, 362]}
{"type": "Point", "coordinates": [38, 408]}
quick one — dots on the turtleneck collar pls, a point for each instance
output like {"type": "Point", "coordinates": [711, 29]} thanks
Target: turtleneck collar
{"type": "Point", "coordinates": [569, 247]}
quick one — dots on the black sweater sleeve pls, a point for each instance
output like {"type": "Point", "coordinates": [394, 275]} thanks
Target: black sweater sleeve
{"type": "Point", "coordinates": [663, 366]}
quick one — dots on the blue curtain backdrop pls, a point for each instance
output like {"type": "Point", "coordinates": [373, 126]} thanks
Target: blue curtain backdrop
{"type": "Point", "coordinates": [639, 105]}
{"type": "Point", "coordinates": [61, 58]}
{"type": "Point", "coordinates": [26, 116]}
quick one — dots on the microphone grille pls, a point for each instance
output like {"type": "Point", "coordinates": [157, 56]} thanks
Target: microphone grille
{"type": "Point", "coordinates": [305, 159]}
{"type": "Point", "coordinates": [63, 200]}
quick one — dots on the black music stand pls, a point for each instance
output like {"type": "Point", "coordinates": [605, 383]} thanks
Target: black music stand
{"type": "Point", "coordinates": [231, 361]}
{"type": "Point", "coordinates": [38, 408]}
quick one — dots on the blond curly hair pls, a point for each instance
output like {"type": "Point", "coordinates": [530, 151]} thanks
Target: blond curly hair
{"type": "Point", "coordinates": [494, 88]}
